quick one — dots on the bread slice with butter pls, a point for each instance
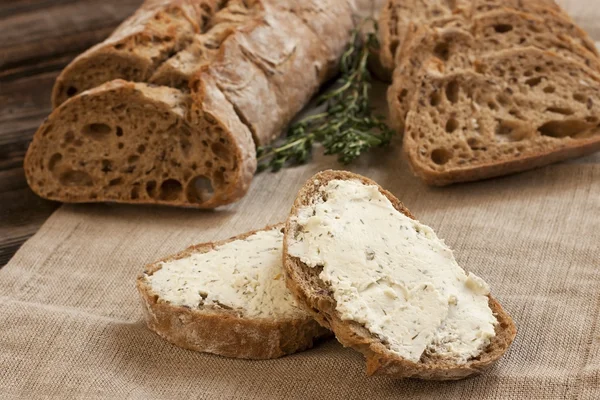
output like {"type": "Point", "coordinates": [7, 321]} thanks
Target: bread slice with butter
{"type": "Point", "coordinates": [228, 298]}
{"type": "Point", "coordinates": [386, 285]}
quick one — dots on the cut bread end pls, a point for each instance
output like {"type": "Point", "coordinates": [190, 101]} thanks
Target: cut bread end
{"type": "Point", "coordinates": [134, 143]}
{"type": "Point", "coordinates": [221, 328]}
{"type": "Point", "coordinates": [305, 282]}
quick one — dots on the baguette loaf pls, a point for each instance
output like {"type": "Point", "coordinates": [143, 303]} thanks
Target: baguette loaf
{"type": "Point", "coordinates": [377, 278]}
{"type": "Point", "coordinates": [228, 298]}
{"type": "Point", "coordinates": [521, 109]}
{"type": "Point", "coordinates": [487, 33]}
{"type": "Point", "coordinates": [239, 78]}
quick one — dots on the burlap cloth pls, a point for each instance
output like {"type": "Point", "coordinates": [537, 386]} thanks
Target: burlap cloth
{"type": "Point", "coordinates": [71, 323]}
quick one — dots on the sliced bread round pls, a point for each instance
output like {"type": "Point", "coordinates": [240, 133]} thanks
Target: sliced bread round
{"type": "Point", "coordinates": [306, 283]}
{"type": "Point", "coordinates": [228, 298]}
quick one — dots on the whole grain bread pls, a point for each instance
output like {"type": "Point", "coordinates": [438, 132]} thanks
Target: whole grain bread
{"type": "Point", "coordinates": [456, 48]}
{"type": "Point", "coordinates": [133, 143]}
{"type": "Point", "coordinates": [157, 30]}
{"type": "Point", "coordinates": [398, 15]}
{"type": "Point", "coordinates": [394, 25]}
{"type": "Point", "coordinates": [223, 330]}
{"type": "Point", "coordinates": [309, 289]}
{"type": "Point", "coordinates": [239, 78]}
{"type": "Point", "coordinates": [519, 109]}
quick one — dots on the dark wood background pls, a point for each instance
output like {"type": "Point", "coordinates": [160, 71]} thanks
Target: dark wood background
{"type": "Point", "coordinates": [38, 38]}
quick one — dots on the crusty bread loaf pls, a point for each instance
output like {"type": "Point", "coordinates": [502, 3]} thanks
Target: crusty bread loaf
{"type": "Point", "coordinates": [305, 282]}
{"type": "Point", "coordinates": [133, 143]}
{"type": "Point", "coordinates": [521, 109]}
{"type": "Point", "coordinates": [486, 33]}
{"type": "Point", "coordinates": [243, 76]}
{"type": "Point", "coordinates": [158, 29]}
{"type": "Point", "coordinates": [254, 316]}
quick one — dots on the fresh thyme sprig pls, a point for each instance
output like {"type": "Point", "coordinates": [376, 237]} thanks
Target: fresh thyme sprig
{"type": "Point", "coordinates": [347, 127]}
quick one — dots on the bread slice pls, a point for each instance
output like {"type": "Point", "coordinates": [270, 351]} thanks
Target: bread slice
{"type": "Point", "coordinates": [134, 143]}
{"type": "Point", "coordinates": [228, 298]}
{"type": "Point", "coordinates": [451, 46]}
{"type": "Point", "coordinates": [548, 10]}
{"type": "Point", "coordinates": [506, 29]}
{"type": "Point", "coordinates": [395, 20]}
{"type": "Point", "coordinates": [457, 49]}
{"type": "Point", "coordinates": [158, 29]}
{"type": "Point", "coordinates": [348, 286]}
{"type": "Point", "coordinates": [523, 108]}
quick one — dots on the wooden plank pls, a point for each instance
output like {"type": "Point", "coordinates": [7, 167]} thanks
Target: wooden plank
{"type": "Point", "coordinates": [39, 37]}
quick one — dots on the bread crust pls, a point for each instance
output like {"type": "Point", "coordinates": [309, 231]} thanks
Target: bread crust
{"type": "Point", "coordinates": [220, 331]}
{"type": "Point", "coordinates": [308, 288]}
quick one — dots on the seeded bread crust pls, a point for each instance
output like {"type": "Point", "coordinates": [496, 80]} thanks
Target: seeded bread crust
{"type": "Point", "coordinates": [309, 289]}
{"type": "Point", "coordinates": [222, 331]}
{"type": "Point", "coordinates": [523, 109]}
{"type": "Point", "coordinates": [130, 142]}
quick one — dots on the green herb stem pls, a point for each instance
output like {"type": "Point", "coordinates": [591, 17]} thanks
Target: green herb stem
{"type": "Point", "coordinates": [347, 128]}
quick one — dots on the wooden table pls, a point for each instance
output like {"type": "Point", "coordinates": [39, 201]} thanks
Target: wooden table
{"type": "Point", "coordinates": [39, 37]}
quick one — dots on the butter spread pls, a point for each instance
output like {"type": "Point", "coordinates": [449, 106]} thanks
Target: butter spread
{"type": "Point", "coordinates": [393, 275]}
{"type": "Point", "coordinates": [244, 275]}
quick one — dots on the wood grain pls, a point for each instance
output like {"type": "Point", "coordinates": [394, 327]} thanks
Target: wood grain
{"type": "Point", "coordinates": [39, 37]}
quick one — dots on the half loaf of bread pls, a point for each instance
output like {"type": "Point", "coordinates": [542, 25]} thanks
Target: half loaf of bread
{"type": "Point", "coordinates": [200, 84]}
{"type": "Point", "coordinates": [386, 285]}
{"type": "Point", "coordinates": [228, 298]}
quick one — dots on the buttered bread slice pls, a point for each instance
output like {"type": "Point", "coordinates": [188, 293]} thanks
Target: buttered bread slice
{"type": "Point", "coordinates": [387, 285]}
{"type": "Point", "coordinates": [228, 298]}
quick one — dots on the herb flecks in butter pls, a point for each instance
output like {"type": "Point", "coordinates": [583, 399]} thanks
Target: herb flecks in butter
{"type": "Point", "coordinates": [243, 275]}
{"type": "Point", "coordinates": [393, 275]}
